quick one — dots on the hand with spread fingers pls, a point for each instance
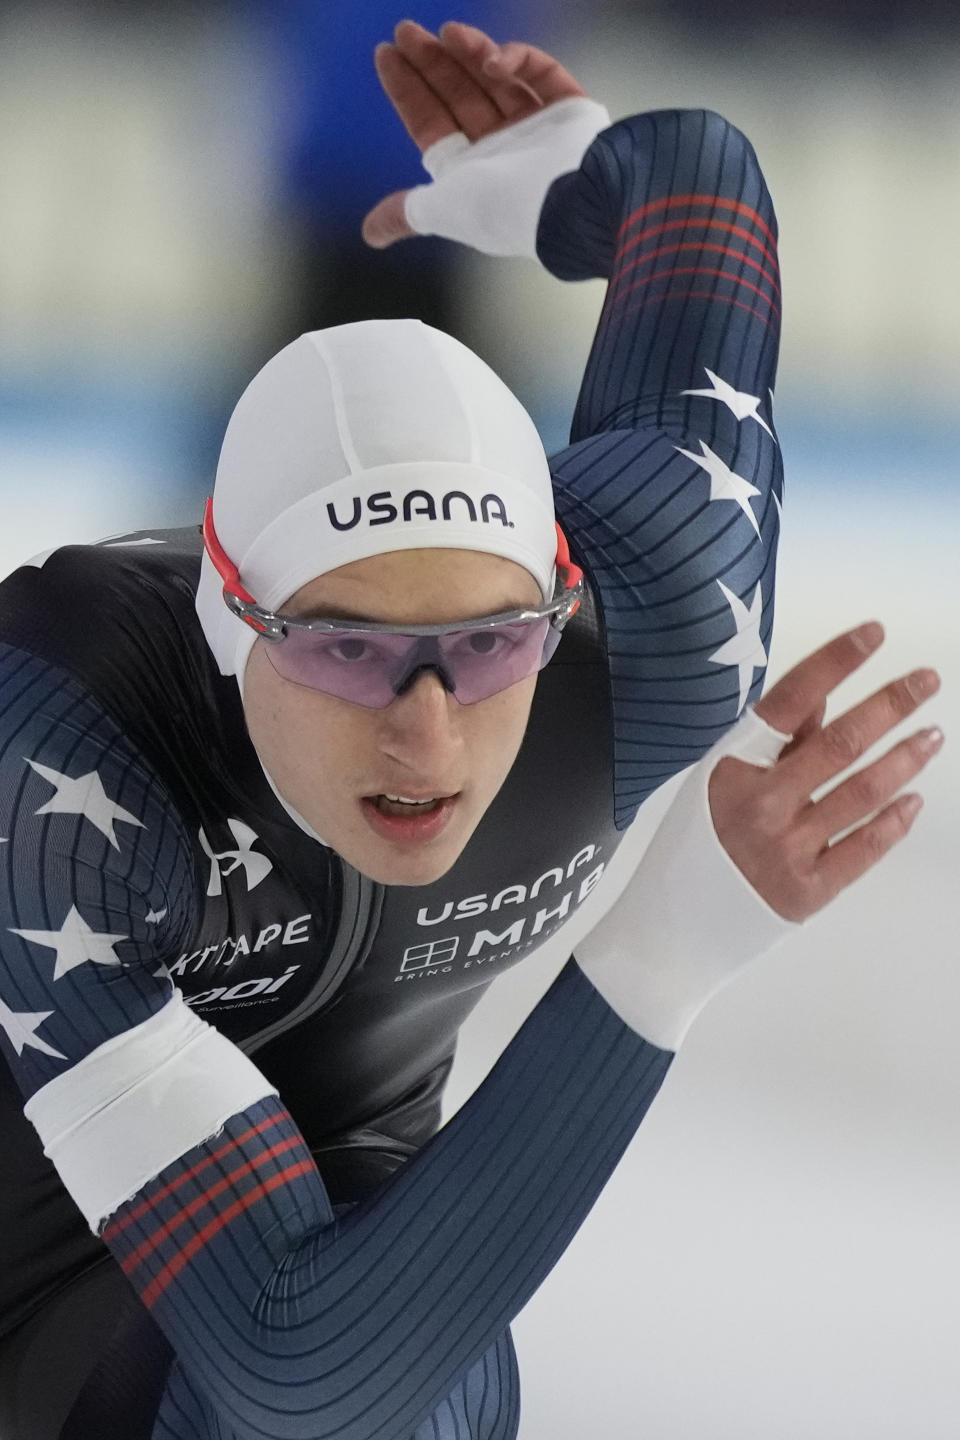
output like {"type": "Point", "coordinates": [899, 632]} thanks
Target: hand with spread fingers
{"type": "Point", "coordinates": [495, 124]}
{"type": "Point", "coordinates": [792, 848]}
{"type": "Point", "coordinates": [744, 852]}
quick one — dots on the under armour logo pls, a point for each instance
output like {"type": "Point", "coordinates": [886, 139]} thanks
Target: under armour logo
{"type": "Point", "coordinates": [432, 952]}
{"type": "Point", "coordinates": [256, 866]}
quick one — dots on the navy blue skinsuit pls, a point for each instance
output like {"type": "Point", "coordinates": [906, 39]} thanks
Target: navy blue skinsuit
{"type": "Point", "coordinates": [332, 1264]}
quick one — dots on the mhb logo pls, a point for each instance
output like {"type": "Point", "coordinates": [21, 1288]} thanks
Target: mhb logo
{"type": "Point", "coordinates": [431, 952]}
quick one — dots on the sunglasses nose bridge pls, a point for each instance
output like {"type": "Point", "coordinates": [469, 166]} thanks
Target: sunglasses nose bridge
{"type": "Point", "coordinates": [425, 655]}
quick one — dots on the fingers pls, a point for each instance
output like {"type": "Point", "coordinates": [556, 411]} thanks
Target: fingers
{"type": "Point", "coordinates": [840, 744]}
{"type": "Point", "coordinates": [857, 853]}
{"type": "Point", "coordinates": [869, 790]}
{"type": "Point", "coordinates": [456, 92]}
{"type": "Point", "coordinates": [387, 221]}
{"type": "Point", "coordinates": [497, 69]}
{"type": "Point", "coordinates": [426, 118]}
{"type": "Point", "coordinates": [462, 80]}
{"type": "Point", "coordinates": [804, 689]}
{"type": "Point", "coordinates": [473, 48]}
{"type": "Point", "coordinates": [546, 77]}
{"type": "Point", "coordinates": [787, 857]}
{"type": "Point", "coordinates": [807, 727]}
{"type": "Point", "coordinates": [784, 842]}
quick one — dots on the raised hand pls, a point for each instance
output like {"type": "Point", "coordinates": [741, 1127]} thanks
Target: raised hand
{"type": "Point", "coordinates": [784, 842]}
{"type": "Point", "coordinates": [458, 82]}
{"type": "Point", "coordinates": [686, 923]}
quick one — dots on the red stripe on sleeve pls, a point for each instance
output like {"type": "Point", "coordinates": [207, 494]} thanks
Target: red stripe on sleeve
{"type": "Point", "coordinates": [702, 295]}
{"type": "Point", "coordinates": [699, 246]}
{"type": "Point", "coordinates": [671, 201]}
{"type": "Point", "coordinates": [691, 270]}
{"type": "Point", "coordinates": [155, 1289]}
{"type": "Point", "coordinates": [147, 1247]}
{"type": "Point", "coordinates": [691, 221]}
{"type": "Point", "coordinates": [116, 1227]}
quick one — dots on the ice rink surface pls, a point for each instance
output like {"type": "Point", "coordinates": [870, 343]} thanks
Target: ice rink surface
{"type": "Point", "coordinates": [777, 1256]}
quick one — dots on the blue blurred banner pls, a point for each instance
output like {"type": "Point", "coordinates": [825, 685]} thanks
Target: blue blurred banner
{"type": "Point", "coordinates": [345, 147]}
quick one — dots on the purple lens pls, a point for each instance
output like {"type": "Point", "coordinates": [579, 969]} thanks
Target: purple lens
{"type": "Point", "coordinates": [370, 668]}
{"type": "Point", "coordinates": [482, 662]}
{"type": "Point", "coordinates": [353, 665]}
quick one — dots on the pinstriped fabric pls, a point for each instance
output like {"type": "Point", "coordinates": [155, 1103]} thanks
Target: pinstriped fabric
{"type": "Point", "coordinates": [83, 894]}
{"type": "Point", "coordinates": [671, 207]}
{"type": "Point", "coordinates": [485, 1405]}
{"type": "Point", "coordinates": [388, 1322]}
{"type": "Point", "coordinates": [292, 1322]}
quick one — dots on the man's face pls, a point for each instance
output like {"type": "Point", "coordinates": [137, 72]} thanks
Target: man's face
{"type": "Point", "coordinates": [330, 759]}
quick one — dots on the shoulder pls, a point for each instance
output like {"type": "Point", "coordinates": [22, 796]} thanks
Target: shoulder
{"type": "Point", "coordinates": [63, 753]}
{"type": "Point", "coordinates": [53, 599]}
{"type": "Point", "coordinates": [119, 619]}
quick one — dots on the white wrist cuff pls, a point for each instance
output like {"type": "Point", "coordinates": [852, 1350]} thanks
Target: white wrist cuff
{"type": "Point", "coordinates": [488, 194]}
{"type": "Point", "coordinates": [688, 919]}
{"type": "Point", "coordinates": [138, 1102]}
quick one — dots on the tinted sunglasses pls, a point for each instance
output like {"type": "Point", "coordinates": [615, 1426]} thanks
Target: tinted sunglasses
{"type": "Point", "coordinates": [371, 664]}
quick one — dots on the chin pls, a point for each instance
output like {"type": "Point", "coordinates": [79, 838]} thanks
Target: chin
{"type": "Point", "coordinates": [407, 869]}
{"type": "Point", "coordinates": [394, 865]}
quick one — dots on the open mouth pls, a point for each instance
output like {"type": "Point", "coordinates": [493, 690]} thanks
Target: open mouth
{"type": "Point", "coordinates": [405, 817]}
{"type": "Point", "coordinates": [402, 805]}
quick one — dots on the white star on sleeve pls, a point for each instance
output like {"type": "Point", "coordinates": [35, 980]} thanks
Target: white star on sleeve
{"type": "Point", "coordinates": [724, 484]}
{"type": "Point", "coordinates": [75, 943]}
{"type": "Point", "coordinates": [744, 406]}
{"type": "Point", "coordinates": [20, 1030]}
{"type": "Point", "coordinates": [744, 649]}
{"type": "Point", "coordinates": [84, 795]}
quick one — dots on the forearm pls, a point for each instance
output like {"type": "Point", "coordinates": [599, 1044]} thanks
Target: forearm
{"type": "Point", "coordinates": [670, 489]}
{"type": "Point", "coordinates": [671, 207]}
{"type": "Point", "coordinates": [361, 1325]}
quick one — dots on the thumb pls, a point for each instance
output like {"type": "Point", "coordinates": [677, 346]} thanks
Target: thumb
{"type": "Point", "coordinates": [387, 221]}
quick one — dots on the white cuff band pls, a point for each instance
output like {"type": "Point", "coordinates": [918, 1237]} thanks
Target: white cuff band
{"type": "Point", "coordinates": [688, 920]}
{"type": "Point", "coordinates": [138, 1102]}
{"type": "Point", "coordinates": [489, 193]}
{"type": "Point", "coordinates": [438, 156]}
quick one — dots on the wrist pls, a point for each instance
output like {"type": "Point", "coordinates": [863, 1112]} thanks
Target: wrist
{"type": "Point", "coordinates": [489, 194]}
{"type": "Point", "coordinates": [688, 921]}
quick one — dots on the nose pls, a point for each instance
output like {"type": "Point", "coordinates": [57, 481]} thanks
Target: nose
{"type": "Point", "coordinates": [421, 728]}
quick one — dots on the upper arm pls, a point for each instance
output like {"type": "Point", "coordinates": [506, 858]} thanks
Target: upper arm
{"type": "Point", "coordinates": [672, 208]}
{"type": "Point", "coordinates": [96, 878]}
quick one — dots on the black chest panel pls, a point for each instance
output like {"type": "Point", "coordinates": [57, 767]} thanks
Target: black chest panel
{"type": "Point", "coordinates": [537, 854]}
{"type": "Point", "coordinates": [348, 993]}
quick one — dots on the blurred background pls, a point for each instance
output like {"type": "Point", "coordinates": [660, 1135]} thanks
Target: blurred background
{"type": "Point", "coordinates": [181, 189]}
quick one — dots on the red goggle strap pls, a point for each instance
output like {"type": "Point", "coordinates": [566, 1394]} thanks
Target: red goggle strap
{"type": "Point", "coordinates": [573, 575]}
{"type": "Point", "coordinates": [224, 566]}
